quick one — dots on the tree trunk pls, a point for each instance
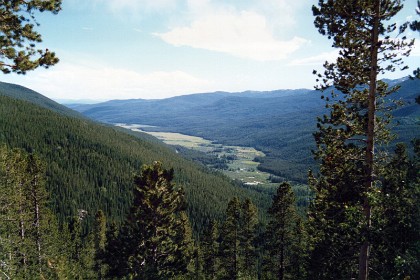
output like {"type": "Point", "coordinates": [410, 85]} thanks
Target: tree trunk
{"type": "Point", "coordinates": [365, 248]}
{"type": "Point", "coordinates": [37, 219]}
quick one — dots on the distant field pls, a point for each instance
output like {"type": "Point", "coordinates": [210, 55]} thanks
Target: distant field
{"type": "Point", "coordinates": [241, 159]}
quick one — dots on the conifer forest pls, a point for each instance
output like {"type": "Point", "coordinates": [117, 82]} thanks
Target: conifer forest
{"type": "Point", "coordinates": [82, 199]}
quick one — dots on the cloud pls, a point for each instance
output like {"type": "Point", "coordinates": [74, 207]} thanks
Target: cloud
{"type": "Point", "coordinates": [316, 59]}
{"type": "Point", "coordinates": [96, 82]}
{"type": "Point", "coordinates": [245, 34]}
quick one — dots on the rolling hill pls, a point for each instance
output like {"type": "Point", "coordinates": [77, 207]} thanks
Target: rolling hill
{"type": "Point", "coordinates": [279, 123]}
{"type": "Point", "coordinates": [90, 166]}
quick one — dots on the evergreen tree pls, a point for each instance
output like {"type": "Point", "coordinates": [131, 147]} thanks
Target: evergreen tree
{"type": "Point", "coordinates": [157, 230]}
{"type": "Point", "coordinates": [210, 248]}
{"type": "Point", "coordinates": [27, 228]}
{"type": "Point", "coordinates": [99, 238]}
{"type": "Point", "coordinates": [341, 213]}
{"type": "Point", "coordinates": [81, 249]}
{"type": "Point", "coordinates": [280, 234]}
{"type": "Point", "coordinates": [229, 247]}
{"type": "Point", "coordinates": [299, 250]}
{"type": "Point", "coordinates": [399, 234]}
{"type": "Point", "coordinates": [116, 254]}
{"type": "Point", "coordinates": [248, 234]}
{"type": "Point", "coordinates": [18, 37]}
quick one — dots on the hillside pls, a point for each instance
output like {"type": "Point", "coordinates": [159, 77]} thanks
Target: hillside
{"type": "Point", "coordinates": [91, 166]}
{"type": "Point", "coordinates": [279, 123]}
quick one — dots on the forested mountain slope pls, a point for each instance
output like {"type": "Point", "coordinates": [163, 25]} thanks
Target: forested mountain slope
{"type": "Point", "coordinates": [91, 166]}
{"type": "Point", "coordinates": [22, 93]}
{"type": "Point", "coordinates": [280, 123]}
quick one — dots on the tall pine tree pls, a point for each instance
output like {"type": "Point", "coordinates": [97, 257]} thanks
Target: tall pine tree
{"type": "Point", "coordinates": [281, 235]}
{"type": "Point", "coordinates": [229, 247]}
{"type": "Point", "coordinates": [341, 213]}
{"type": "Point", "coordinates": [248, 234]}
{"type": "Point", "coordinates": [210, 248]}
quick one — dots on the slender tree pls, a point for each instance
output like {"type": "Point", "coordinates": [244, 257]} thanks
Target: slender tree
{"type": "Point", "coordinates": [280, 234]}
{"type": "Point", "coordinates": [99, 239]}
{"type": "Point", "coordinates": [347, 137]}
{"type": "Point", "coordinates": [229, 247]}
{"type": "Point", "coordinates": [248, 234]}
{"type": "Point", "coordinates": [27, 227]}
{"type": "Point", "coordinates": [210, 248]}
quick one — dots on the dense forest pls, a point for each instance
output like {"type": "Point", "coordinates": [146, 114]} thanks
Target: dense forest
{"type": "Point", "coordinates": [83, 200]}
{"type": "Point", "coordinates": [90, 166]}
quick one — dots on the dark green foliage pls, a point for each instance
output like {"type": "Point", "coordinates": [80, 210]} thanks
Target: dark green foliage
{"type": "Point", "coordinates": [398, 229]}
{"type": "Point", "coordinates": [229, 246]}
{"type": "Point", "coordinates": [157, 237]}
{"type": "Point", "coordinates": [18, 37]}
{"type": "Point", "coordinates": [248, 234]}
{"type": "Point", "coordinates": [284, 238]}
{"type": "Point", "coordinates": [210, 247]}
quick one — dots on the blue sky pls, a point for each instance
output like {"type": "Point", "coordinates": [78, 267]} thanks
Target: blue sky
{"type": "Point", "coordinates": [120, 49]}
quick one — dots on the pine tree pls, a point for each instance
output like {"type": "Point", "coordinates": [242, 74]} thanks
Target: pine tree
{"type": "Point", "coordinates": [157, 230]}
{"type": "Point", "coordinates": [229, 247]}
{"type": "Point", "coordinates": [210, 248]}
{"type": "Point", "coordinates": [399, 234]}
{"type": "Point", "coordinates": [341, 214]}
{"type": "Point", "coordinates": [99, 238]}
{"type": "Point", "coordinates": [18, 37]}
{"type": "Point", "coordinates": [280, 234]}
{"type": "Point", "coordinates": [248, 234]}
{"type": "Point", "coordinates": [27, 227]}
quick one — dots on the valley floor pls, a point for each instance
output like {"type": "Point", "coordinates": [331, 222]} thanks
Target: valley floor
{"type": "Point", "coordinates": [241, 164]}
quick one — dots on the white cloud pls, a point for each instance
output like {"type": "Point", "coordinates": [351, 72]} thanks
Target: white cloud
{"type": "Point", "coordinates": [96, 82]}
{"type": "Point", "coordinates": [245, 34]}
{"type": "Point", "coordinates": [316, 59]}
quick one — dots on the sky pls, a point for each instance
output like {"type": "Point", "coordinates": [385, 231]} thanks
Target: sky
{"type": "Point", "coordinates": [153, 49]}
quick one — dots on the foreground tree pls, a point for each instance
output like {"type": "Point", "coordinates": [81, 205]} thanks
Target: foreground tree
{"type": "Point", "coordinates": [28, 232]}
{"type": "Point", "coordinates": [341, 212]}
{"type": "Point", "coordinates": [283, 236]}
{"type": "Point", "coordinates": [210, 248]}
{"type": "Point", "coordinates": [229, 247]}
{"type": "Point", "coordinates": [18, 52]}
{"type": "Point", "coordinates": [248, 235]}
{"type": "Point", "coordinates": [157, 237]}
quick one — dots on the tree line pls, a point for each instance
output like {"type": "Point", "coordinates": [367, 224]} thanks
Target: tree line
{"type": "Point", "coordinates": [156, 240]}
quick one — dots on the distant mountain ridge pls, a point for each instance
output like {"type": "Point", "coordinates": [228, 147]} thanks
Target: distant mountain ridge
{"type": "Point", "coordinates": [26, 94]}
{"type": "Point", "coordinates": [280, 122]}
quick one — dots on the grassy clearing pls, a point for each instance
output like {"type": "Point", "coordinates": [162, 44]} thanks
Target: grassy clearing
{"type": "Point", "coordinates": [241, 164]}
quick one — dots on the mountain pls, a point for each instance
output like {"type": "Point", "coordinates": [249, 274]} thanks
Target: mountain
{"type": "Point", "coordinates": [90, 166]}
{"type": "Point", "coordinates": [279, 123]}
{"type": "Point", "coordinates": [22, 93]}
